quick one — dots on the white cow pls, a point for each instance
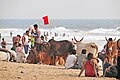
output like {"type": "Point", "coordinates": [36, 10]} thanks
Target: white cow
{"type": "Point", "coordinates": [90, 47]}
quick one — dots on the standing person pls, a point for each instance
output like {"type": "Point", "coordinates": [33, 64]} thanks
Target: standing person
{"type": "Point", "coordinates": [71, 61]}
{"type": "Point", "coordinates": [89, 67]}
{"type": "Point", "coordinates": [81, 58]}
{"type": "Point", "coordinates": [25, 41]}
{"type": "Point", "coordinates": [16, 39]}
{"type": "Point", "coordinates": [10, 33]}
{"type": "Point", "coordinates": [37, 37]}
{"type": "Point", "coordinates": [3, 43]}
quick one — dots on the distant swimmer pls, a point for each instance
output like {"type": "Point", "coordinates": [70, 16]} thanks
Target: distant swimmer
{"type": "Point", "coordinates": [10, 33]}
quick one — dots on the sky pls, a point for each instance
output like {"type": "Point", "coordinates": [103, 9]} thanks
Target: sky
{"type": "Point", "coordinates": [60, 9]}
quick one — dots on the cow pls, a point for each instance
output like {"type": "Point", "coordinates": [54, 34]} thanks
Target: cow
{"type": "Point", "coordinates": [90, 47]}
{"type": "Point", "coordinates": [57, 48]}
{"type": "Point", "coordinates": [31, 58]}
{"type": "Point", "coordinates": [111, 50]}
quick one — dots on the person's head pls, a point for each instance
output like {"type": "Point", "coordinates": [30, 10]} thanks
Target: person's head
{"type": "Point", "coordinates": [35, 26]}
{"type": "Point", "coordinates": [42, 37]}
{"type": "Point", "coordinates": [3, 39]}
{"type": "Point", "coordinates": [110, 39]}
{"type": "Point", "coordinates": [73, 52]}
{"type": "Point", "coordinates": [89, 56]}
{"type": "Point", "coordinates": [27, 32]}
{"type": "Point", "coordinates": [84, 51]}
{"type": "Point", "coordinates": [18, 36]}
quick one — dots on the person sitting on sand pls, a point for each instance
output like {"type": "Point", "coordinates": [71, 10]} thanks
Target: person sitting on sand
{"type": "Point", "coordinates": [109, 70]}
{"type": "Point", "coordinates": [81, 58]}
{"type": "Point", "coordinates": [3, 43]}
{"type": "Point", "coordinates": [89, 67]}
{"type": "Point", "coordinates": [71, 61]}
{"type": "Point", "coordinates": [60, 61]}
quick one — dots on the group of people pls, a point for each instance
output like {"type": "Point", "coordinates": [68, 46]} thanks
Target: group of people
{"type": "Point", "coordinates": [90, 65]}
{"type": "Point", "coordinates": [29, 39]}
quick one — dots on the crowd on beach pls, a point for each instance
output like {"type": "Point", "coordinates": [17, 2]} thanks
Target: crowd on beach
{"type": "Point", "coordinates": [32, 38]}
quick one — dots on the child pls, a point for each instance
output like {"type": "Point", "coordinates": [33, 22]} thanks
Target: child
{"type": "Point", "coordinates": [89, 67]}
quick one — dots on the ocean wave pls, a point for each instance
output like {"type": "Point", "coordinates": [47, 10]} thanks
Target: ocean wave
{"type": "Point", "coordinates": [102, 31]}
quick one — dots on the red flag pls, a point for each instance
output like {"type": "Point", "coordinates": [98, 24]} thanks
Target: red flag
{"type": "Point", "coordinates": [45, 18]}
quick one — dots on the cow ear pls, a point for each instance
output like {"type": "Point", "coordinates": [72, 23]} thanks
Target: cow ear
{"type": "Point", "coordinates": [106, 38]}
{"type": "Point", "coordinates": [75, 39]}
{"type": "Point", "coordinates": [81, 39]}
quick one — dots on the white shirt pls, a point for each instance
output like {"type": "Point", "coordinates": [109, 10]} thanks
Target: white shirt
{"type": "Point", "coordinates": [26, 39]}
{"type": "Point", "coordinates": [70, 61]}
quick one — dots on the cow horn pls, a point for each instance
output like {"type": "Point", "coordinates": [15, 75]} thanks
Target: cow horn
{"type": "Point", "coordinates": [75, 39]}
{"type": "Point", "coordinates": [115, 39]}
{"type": "Point", "coordinates": [106, 38]}
{"type": "Point", "coordinates": [81, 39]}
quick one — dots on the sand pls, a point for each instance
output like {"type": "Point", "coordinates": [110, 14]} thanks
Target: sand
{"type": "Point", "coordinates": [25, 71]}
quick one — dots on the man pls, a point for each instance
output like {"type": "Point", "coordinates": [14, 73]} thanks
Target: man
{"type": "Point", "coordinates": [71, 61]}
{"type": "Point", "coordinates": [3, 43]}
{"type": "Point", "coordinates": [37, 37]}
{"type": "Point", "coordinates": [25, 41]}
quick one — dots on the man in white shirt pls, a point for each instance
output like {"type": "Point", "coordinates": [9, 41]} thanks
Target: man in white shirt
{"type": "Point", "coordinates": [25, 41]}
{"type": "Point", "coordinates": [71, 61]}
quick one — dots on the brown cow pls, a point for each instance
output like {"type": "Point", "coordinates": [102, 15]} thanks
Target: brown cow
{"type": "Point", "coordinates": [58, 48]}
{"type": "Point", "coordinates": [111, 50]}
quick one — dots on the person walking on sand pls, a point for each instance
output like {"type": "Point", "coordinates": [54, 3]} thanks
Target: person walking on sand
{"type": "Point", "coordinates": [3, 43]}
{"type": "Point", "coordinates": [89, 67]}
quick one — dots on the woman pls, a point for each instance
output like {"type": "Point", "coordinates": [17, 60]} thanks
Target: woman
{"type": "Point", "coordinates": [89, 67]}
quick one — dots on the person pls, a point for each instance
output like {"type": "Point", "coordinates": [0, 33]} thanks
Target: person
{"type": "Point", "coordinates": [108, 69]}
{"type": "Point", "coordinates": [0, 36]}
{"type": "Point", "coordinates": [81, 58]}
{"type": "Point", "coordinates": [25, 41]}
{"type": "Point", "coordinates": [118, 65]}
{"type": "Point", "coordinates": [16, 39]}
{"type": "Point", "coordinates": [3, 43]}
{"type": "Point", "coordinates": [14, 46]}
{"type": "Point", "coordinates": [10, 33]}
{"type": "Point", "coordinates": [37, 33]}
{"type": "Point", "coordinates": [37, 37]}
{"type": "Point", "coordinates": [89, 67]}
{"type": "Point", "coordinates": [71, 61]}
{"type": "Point", "coordinates": [60, 61]}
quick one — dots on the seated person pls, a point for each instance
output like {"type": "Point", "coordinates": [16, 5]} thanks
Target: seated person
{"type": "Point", "coordinates": [89, 67]}
{"type": "Point", "coordinates": [81, 58]}
{"type": "Point", "coordinates": [60, 61]}
{"type": "Point", "coordinates": [108, 69]}
{"type": "Point", "coordinates": [71, 61]}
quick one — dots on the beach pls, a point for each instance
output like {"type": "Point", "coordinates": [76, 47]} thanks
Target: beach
{"type": "Point", "coordinates": [25, 71]}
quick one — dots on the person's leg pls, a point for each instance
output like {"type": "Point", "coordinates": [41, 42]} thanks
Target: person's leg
{"type": "Point", "coordinates": [26, 48]}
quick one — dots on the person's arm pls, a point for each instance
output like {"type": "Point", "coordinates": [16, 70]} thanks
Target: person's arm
{"type": "Point", "coordinates": [80, 73]}
{"type": "Point", "coordinates": [94, 65]}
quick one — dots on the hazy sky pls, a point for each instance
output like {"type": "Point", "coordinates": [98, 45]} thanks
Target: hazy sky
{"type": "Point", "coordinates": [60, 9]}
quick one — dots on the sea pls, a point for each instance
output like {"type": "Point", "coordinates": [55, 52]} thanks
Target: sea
{"type": "Point", "coordinates": [93, 30]}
